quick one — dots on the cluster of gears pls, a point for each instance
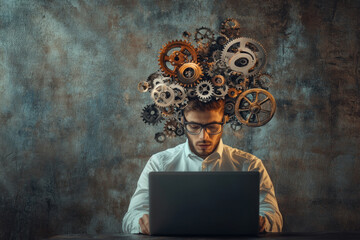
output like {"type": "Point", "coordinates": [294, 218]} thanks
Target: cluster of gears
{"type": "Point", "coordinates": [227, 67]}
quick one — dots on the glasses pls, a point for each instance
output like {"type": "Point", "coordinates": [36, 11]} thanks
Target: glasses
{"type": "Point", "coordinates": [212, 128]}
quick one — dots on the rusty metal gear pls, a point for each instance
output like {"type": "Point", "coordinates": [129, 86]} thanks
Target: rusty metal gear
{"type": "Point", "coordinates": [170, 128]}
{"type": "Point", "coordinates": [218, 80]}
{"type": "Point", "coordinates": [174, 54]}
{"type": "Point", "coordinates": [143, 86]}
{"type": "Point", "coordinates": [189, 74]}
{"type": "Point", "coordinates": [230, 28]}
{"type": "Point", "coordinates": [233, 93]}
{"type": "Point", "coordinates": [204, 36]}
{"type": "Point", "coordinates": [255, 107]}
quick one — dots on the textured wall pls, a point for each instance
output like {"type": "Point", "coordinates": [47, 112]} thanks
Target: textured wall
{"type": "Point", "coordinates": [72, 144]}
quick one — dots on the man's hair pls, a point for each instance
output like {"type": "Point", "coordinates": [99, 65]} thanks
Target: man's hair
{"type": "Point", "coordinates": [197, 105]}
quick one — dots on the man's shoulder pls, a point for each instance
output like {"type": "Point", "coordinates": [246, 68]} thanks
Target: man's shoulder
{"type": "Point", "coordinates": [170, 152]}
{"type": "Point", "coordinates": [239, 155]}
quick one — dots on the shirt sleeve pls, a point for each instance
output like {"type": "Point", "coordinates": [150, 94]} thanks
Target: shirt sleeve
{"type": "Point", "coordinates": [268, 204]}
{"type": "Point", "coordinates": [139, 203]}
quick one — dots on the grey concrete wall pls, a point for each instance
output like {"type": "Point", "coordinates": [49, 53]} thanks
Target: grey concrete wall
{"type": "Point", "coordinates": [72, 143]}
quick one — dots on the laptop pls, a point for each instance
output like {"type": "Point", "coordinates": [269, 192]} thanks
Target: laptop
{"type": "Point", "coordinates": [204, 203]}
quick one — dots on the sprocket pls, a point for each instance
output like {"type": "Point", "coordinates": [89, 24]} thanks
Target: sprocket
{"type": "Point", "coordinates": [204, 90]}
{"type": "Point", "coordinates": [204, 36]}
{"type": "Point", "coordinates": [151, 114]}
{"type": "Point", "coordinates": [174, 54]}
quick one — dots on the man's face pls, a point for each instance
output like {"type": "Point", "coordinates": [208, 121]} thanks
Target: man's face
{"type": "Point", "coordinates": [204, 144]}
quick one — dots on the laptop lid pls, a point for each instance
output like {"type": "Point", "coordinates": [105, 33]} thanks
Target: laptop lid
{"type": "Point", "coordinates": [204, 203]}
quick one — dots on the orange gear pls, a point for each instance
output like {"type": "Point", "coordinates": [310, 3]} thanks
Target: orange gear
{"type": "Point", "coordinates": [233, 93]}
{"type": "Point", "coordinates": [176, 53]}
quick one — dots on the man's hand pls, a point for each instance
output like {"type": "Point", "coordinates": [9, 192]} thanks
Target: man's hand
{"type": "Point", "coordinates": [144, 224]}
{"type": "Point", "coordinates": [262, 223]}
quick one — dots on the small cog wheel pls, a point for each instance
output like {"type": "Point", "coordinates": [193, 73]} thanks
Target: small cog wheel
{"type": "Point", "coordinates": [204, 90]}
{"type": "Point", "coordinates": [230, 28]}
{"type": "Point", "coordinates": [179, 131]}
{"type": "Point", "coordinates": [160, 137]}
{"type": "Point", "coordinates": [218, 80]}
{"type": "Point", "coordinates": [151, 115]}
{"type": "Point", "coordinates": [174, 54]}
{"type": "Point", "coordinates": [229, 107]}
{"type": "Point", "coordinates": [170, 128]}
{"type": "Point", "coordinates": [204, 36]}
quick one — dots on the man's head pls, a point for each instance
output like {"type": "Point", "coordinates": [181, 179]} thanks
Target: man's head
{"type": "Point", "coordinates": [203, 140]}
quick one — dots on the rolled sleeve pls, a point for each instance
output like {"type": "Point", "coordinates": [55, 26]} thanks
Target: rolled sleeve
{"type": "Point", "coordinates": [139, 203]}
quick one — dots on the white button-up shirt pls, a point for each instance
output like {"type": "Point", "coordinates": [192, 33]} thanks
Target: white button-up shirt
{"type": "Point", "coordinates": [224, 158]}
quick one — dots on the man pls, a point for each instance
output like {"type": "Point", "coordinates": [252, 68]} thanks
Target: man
{"type": "Point", "coordinates": [203, 151]}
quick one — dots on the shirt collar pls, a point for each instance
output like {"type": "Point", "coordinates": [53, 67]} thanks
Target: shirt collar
{"type": "Point", "coordinates": [215, 155]}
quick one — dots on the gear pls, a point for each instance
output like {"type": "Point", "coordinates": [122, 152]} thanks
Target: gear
{"type": "Point", "coordinates": [216, 55]}
{"type": "Point", "coordinates": [160, 137]}
{"type": "Point", "coordinates": [191, 92]}
{"type": "Point", "coordinates": [218, 80]}
{"type": "Point", "coordinates": [233, 93]}
{"type": "Point", "coordinates": [156, 78]}
{"type": "Point", "coordinates": [229, 106]}
{"type": "Point", "coordinates": [204, 36]}
{"type": "Point", "coordinates": [244, 56]}
{"type": "Point", "coordinates": [151, 115]}
{"type": "Point", "coordinates": [180, 95]}
{"type": "Point", "coordinates": [189, 74]}
{"type": "Point", "coordinates": [235, 124]}
{"type": "Point", "coordinates": [170, 128]}
{"type": "Point", "coordinates": [217, 68]}
{"type": "Point", "coordinates": [230, 28]}
{"type": "Point", "coordinates": [179, 131]}
{"type": "Point", "coordinates": [222, 40]}
{"type": "Point", "coordinates": [174, 54]}
{"type": "Point", "coordinates": [167, 111]}
{"type": "Point", "coordinates": [221, 92]}
{"type": "Point", "coordinates": [163, 95]}
{"type": "Point", "coordinates": [255, 107]}
{"type": "Point", "coordinates": [143, 86]}
{"type": "Point", "coordinates": [204, 91]}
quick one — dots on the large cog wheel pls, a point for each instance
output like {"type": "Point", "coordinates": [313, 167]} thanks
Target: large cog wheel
{"type": "Point", "coordinates": [204, 91]}
{"type": "Point", "coordinates": [255, 107]}
{"type": "Point", "coordinates": [244, 56]}
{"type": "Point", "coordinates": [174, 54]}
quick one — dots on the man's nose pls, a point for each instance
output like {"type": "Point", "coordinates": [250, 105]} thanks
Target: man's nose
{"type": "Point", "coordinates": [203, 134]}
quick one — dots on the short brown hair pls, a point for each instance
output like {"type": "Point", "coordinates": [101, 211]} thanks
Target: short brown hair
{"type": "Point", "coordinates": [197, 105]}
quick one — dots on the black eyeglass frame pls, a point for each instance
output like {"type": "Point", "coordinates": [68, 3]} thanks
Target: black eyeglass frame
{"type": "Point", "coordinates": [204, 126]}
